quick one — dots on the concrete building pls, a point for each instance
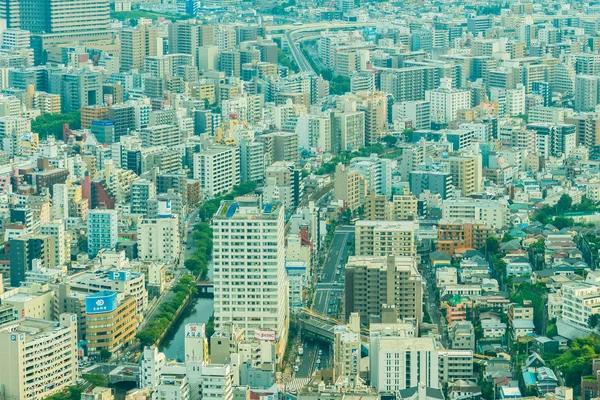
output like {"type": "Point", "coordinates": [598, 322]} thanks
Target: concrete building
{"type": "Point", "coordinates": [102, 228]}
{"type": "Point", "coordinates": [217, 382]}
{"type": "Point", "coordinates": [218, 169]}
{"type": "Point", "coordinates": [579, 301]}
{"type": "Point", "coordinates": [418, 112]}
{"type": "Point", "coordinates": [159, 239]}
{"type": "Point", "coordinates": [350, 186]}
{"type": "Point", "coordinates": [493, 213]}
{"type": "Point", "coordinates": [433, 181]}
{"type": "Point", "coordinates": [398, 362]}
{"type": "Point", "coordinates": [255, 297]}
{"type": "Point", "coordinates": [346, 350]}
{"type": "Point", "coordinates": [445, 102]}
{"type": "Point", "coordinates": [137, 43]}
{"type": "Point", "coordinates": [111, 321]}
{"type": "Point", "coordinates": [371, 282]}
{"type": "Point", "coordinates": [28, 344]}
{"type": "Point", "coordinates": [383, 238]}
{"type": "Point", "coordinates": [466, 171]}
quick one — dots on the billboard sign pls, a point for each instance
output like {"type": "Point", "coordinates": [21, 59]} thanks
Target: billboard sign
{"type": "Point", "coordinates": [268, 335]}
{"type": "Point", "coordinates": [101, 302]}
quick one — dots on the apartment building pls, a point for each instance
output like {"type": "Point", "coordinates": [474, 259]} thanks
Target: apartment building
{"type": "Point", "coordinates": [251, 290]}
{"type": "Point", "coordinates": [102, 226]}
{"type": "Point", "coordinates": [445, 102]}
{"type": "Point", "coordinates": [372, 281]}
{"type": "Point", "coordinates": [383, 238]}
{"type": "Point", "coordinates": [47, 350]}
{"type": "Point", "coordinates": [454, 235]}
{"type": "Point", "coordinates": [218, 170]}
{"type": "Point", "coordinates": [466, 173]}
{"type": "Point", "coordinates": [349, 186]}
{"type": "Point", "coordinates": [579, 301]}
{"type": "Point", "coordinates": [493, 213]}
{"type": "Point", "coordinates": [159, 239]}
{"type": "Point", "coordinates": [398, 363]}
{"type": "Point", "coordinates": [346, 350]}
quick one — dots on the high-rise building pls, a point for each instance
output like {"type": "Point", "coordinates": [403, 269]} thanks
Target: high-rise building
{"type": "Point", "coordinates": [24, 250]}
{"type": "Point", "coordinates": [158, 238]}
{"type": "Point", "coordinates": [62, 248]}
{"type": "Point", "coordinates": [418, 112]}
{"type": "Point", "coordinates": [466, 173]}
{"type": "Point", "coordinates": [446, 102]}
{"type": "Point", "coordinates": [383, 238]}
{"type": "Point", "coordinates": [252, 161]}
{"type": "Point", "coordinates": [102, 230]}
{"type": "Point", "coordinates": [27, 344]}
{"type": "Point", "coordinates": [218, 169]}
{"type": "Point", "coordinates": [350, 186]}
{"type": "Point", "coordinates": [142, 190]}
{"type": "Point", "coordinates": [400, 362]}
{"type": "Point", "coordinates": [374, 281]}
{"type": "Point", "coordinates": [137, 43]}
{"type": "Point", "coordinates": [434, 181]}
{"type": "Point", "coordinates": [251, 234]}
{"type": "Point", "coordinates": [586, 92]}
{"type": "Point", "coordinates": [79, 89]}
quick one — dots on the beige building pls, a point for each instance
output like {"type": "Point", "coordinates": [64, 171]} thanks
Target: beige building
{"type": "Point", "coordinates": [466, 173]}
{"type": "Point", "coordinates": [346, 350]}
{"type": "Point", "coordinates": [383, 238]}
{"type": "Point", "coordinates": [350, 187]}
{"type": "Point", "coordinates": [111, 329]}
{"type": "Point", "coordinates": [136, 44]}
{"type": "Point", "coordinates": [402, 206]}
{"type": "Point", "coordinates": [39, 357]}
{"type": "Point", "coordinates": [374, 281]}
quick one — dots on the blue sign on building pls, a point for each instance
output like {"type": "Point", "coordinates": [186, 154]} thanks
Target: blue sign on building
{"type": "Point", "coordinates": [119, 275]}
{"type": "Point", "coordinates": [101, 302]}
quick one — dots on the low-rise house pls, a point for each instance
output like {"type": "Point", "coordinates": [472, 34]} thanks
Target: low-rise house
{"type": "Point", "coordinates": [518, 267]}
{"type": "Point", "coordinates": [462, 335]}
{"type": "Point", "coordinates": [522, 328]}
{"type": "Point", "coordinates": [493, 329]}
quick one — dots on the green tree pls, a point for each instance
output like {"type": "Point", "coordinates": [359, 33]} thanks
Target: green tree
{"type": "Point", "coordinates": [507, 237]}
{"type": "Point", "coordinates": [105, 355]}
{"type": "Point", "coordinates": [52, 124]}
{"type": "Point", "coordinates": [492, 245]}
{"type": "Point", "coordinates": [564, 204]}
{"type": "Point", "coordinates": [390, 140]}
{"type": "Point", "coordinates": [96, 379]}
{"type": "Point", "coordinates": [563, 222]}
{"type": "Point", "coordinates": [593, 320]}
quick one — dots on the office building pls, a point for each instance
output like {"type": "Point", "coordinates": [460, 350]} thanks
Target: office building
{"type": "Point", "coordinates": [383, 238]}
{"type": "Point", "coordinates": [279, 146]}
{"type": "Point", "coordinates": [433, 181]}
{"type": "Point", "coordinates": [374, 281]}
{"type": "Point", "coordinates": [102, 228]}
{"type": "Point", "coordinates": [111, 321]}
{"type": "Point", "coordinates": [399, 362]}
{"type": "Point", "coordinates": [408, 84]}
{"type": "Point", "coordinates": [24, 250]}
{"type": "Point", "coordinates": [62, 246]}
{"type": "Point", "coordinates": [80, 88]}
{"type": "Point", "coordinates": [347, 131]}
{"type": "Point", "coordinates": [453, 235]}
{"type": "Point", "coordinates": [218, 169]}
{"type": "Point", "coordinates": [256, 296]}
{"type": "Point", "coordinates": [39, 357]}
{"type": "Point", "coordinates": [283, 184]}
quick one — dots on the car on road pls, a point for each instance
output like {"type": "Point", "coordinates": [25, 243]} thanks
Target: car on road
{"type": "Point", "coordinates": [296, 368]}
{"type": "Point", "coordinates": [318, 361]}
{"type": "Point", "coordinates": [320, 352]}
{"type": "Point", "coordinates": [329, 311]}
{"type": "Point", "coordinates": [331, 302]}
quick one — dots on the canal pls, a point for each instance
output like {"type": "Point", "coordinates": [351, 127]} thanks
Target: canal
{"type": "Point", "coordinates": [199, 312]}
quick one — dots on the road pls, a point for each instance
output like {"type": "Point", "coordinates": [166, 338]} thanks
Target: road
{"type": "Point", "coordinates": [433, 307]}
{"type": "Point", "coordinates": [328, 297]}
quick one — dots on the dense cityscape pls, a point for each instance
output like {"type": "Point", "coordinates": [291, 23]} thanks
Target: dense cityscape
{"type": "Point", "coordinates": [299, 200]}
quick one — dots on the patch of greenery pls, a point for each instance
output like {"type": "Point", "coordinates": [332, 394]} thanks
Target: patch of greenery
{"type": "Point", "coordinates": [70, 393]}
{"type": "Point", "coordinates": [96, 379]}
{"type": "Point", "coordinates": [577, 361]}
{"type": "Point", "coordinates": [137, 14]}
{"type": "Point", "coordinates": [284, 60]}
{"type": "Point", "coordinates": [52, 124]}
{"type": "Point", "coordinates": [537, 295]}
{"type": "Point", "coordinates": [163, 320]}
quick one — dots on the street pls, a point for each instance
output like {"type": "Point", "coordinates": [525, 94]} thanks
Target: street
{"type": "Point", "coordinates": [327, 301]}
{"type": "Point", "coordinates": [432, 306]}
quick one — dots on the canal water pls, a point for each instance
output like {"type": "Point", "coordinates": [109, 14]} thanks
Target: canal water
{"type": "Point", "coordinates": [199, 312]}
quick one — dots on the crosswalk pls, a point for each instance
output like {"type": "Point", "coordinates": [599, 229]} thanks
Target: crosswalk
{"type": "Point", "coordinates": [297, 383]}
